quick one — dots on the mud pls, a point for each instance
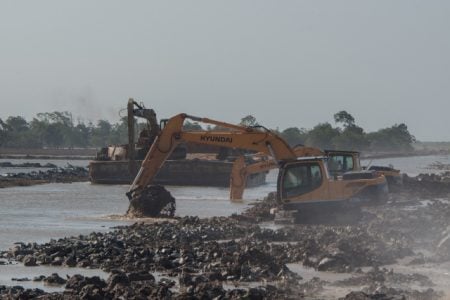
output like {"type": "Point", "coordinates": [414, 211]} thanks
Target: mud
{"type": "Point", "coordinates": [230, 257]}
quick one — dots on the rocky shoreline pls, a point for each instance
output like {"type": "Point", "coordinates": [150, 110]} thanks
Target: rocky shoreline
{"type": "Point", "coordinates": [63, 175]}
{"type": "Point", "coordinates": [239, 257]}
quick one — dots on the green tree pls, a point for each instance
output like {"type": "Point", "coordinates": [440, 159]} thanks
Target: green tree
{"type": "Point", "coordinates": [193, 126]}
{"type": "Point", "coordinates": [81, 135]}
{"type": "Point", "coordinates": [54, 129]}
{"type": "Point", "coordinates": [17, 124]}
{"type": "Point", "coordinates": [249, 121]}
{"type": "Point", "coordinates": [54, 136]}
{"type": "Point", "coordinates": [3, 133]}
{"type": "Point", "coordinates": [345, 118]}
{"type": "Point", "coordinates": [322, 135]}
{"type": "Point", "coordinates": [294, 136]}
{"type": "Point", "coordinates": [119, 131]}
{"type": "Point", "coordinates": [18, 134]}
{"type": "Point", "coordinates": [351, 138]}
{"type": "Point", "coordinates": [101, 134]}
{"type": "Point", "coordinates": [394, 138]}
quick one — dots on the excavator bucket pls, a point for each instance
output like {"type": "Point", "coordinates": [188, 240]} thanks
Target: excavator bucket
{"type": "Point", "coordinates": [153, 201]}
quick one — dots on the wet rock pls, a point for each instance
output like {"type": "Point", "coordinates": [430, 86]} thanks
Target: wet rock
{"type": "Point", "coordinates": [118, 278]}
{"type": "Point", "coordinates": [364, 296]}
{"type": "Point", "coordinates": [18, 292]}
{"type": "Point", "coordinates": [39, 278]}
{"type": "Point", "coordinates": [77, 282]}
{"type": "Point", "coordinates": [140, 276]}
{"type": "Point", "coordinates": [70, 262]}
{"type": "Point", "coordinates": [21, 279]}
{"type": "Point", "coordinates": [379, 277]}
{"type": "Point", "coordinates": [20, 250]}
{"type": "Point", "coordinates": [260, 211]}
{"type": "Point", "coordinates": [93, 292]}
{"type": "Point", "coordinates": [54, 279]}
{"type": "Point", "coordinates": [29, 261]}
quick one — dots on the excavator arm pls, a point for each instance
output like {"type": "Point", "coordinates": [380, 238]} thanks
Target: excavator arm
{"type": "Point", "coordinates": [257, 139]}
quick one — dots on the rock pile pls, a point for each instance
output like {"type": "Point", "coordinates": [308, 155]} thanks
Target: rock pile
{"type": "Point", "coordinates": [8, 164]}
{"type": "Point", "coordinates": [65, 175]}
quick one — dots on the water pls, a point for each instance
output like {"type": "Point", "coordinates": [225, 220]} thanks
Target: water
{"type": "Point", "coordinates": [42, 212]}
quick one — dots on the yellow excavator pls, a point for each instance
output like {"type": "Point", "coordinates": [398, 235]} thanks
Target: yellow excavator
{"type": "Point", "coordinates": [339, 162]}
{"type": "Point", "coordinates": [304, 184]}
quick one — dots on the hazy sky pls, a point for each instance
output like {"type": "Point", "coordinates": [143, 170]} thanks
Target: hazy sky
{"type": "Point", "coordinates": [288, 63]}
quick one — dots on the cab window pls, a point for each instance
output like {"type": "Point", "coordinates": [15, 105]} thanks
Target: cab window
{"type": "Point", "coordinates": [339, 164]}
{"type": "Point", "coordinates": [300, 179]}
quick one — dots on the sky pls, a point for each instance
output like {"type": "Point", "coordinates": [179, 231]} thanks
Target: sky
{"type": "Point", "coordinates": [287, 63]}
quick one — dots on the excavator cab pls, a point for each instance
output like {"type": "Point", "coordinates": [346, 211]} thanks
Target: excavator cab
{"type": "Point", "coordinates": [311, 194]}
{"type": "Point", "coordinates": [300, 178]}
{"type": "Point", "coordinates": [340, 162]}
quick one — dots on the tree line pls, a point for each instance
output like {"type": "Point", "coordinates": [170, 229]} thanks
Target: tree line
{"type": "Point", "coordinates": [59, 130]}
{"type": "Point", "coordinates": [347, 135]}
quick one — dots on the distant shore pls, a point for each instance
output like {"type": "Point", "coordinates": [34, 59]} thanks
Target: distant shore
{"type": "Point", "coordinates": [375, 155]}
{"type": "Point", "coordinates": [89, 153]}
{"type": "Point", "coordinates": [50, 153]}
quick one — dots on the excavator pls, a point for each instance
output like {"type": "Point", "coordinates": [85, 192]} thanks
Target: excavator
{"type": "Point", "coordinates": [339, 162]}
{"type": "Point", "coordinates": [304, 183]}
